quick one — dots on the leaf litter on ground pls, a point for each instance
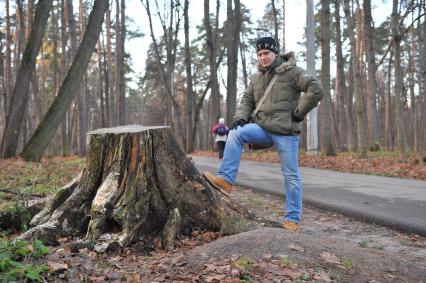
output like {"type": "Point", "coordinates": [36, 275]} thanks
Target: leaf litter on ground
{"type": "Point", "coordinates": [164, 267]}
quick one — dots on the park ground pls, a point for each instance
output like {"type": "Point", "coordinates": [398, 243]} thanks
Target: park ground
{"type": "Point", "coordinates": [328, 248]}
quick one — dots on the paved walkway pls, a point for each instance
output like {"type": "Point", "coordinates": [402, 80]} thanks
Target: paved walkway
{"type": "Point", "coordinates": [393, 202]}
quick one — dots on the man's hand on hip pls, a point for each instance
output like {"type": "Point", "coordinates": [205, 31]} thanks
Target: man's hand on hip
{"type": "Point", "coordinates": [239, 122]}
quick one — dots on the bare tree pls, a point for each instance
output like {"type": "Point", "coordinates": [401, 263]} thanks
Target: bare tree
{"type": "Point", "coordinates": [34, 149]}
{"type": "Point", "coordinates": [284, 25]}
{"type": "Point", "coordinates": [100, 85]}
{"type": "Point", "coordinates": [82, 98]}
{"type": "Point", "coordinates": [19, 99]}
{"type": "Point", "coordinates": [369, 35]}
{"type": "Point", "coordinates": [212, 48]}
{"type": "Point", "coordinates": [344, 129]}
{"type": "Point", "coordinates": [275, 19]}
{"type": "Point", "coordinates": [120, 31]}
{"type": "Point", "coordinates": [170, 36]}
{"type": "Point", "coordinates": [233, 23]}
{"type": "Point", "coordinates": [189, 89]}
{"type": "Point", "coordinates": [63, 68]}
{"type": "Point", "coordinates": [396, 36]}
{"type": "Point", "coordinates": [19, 34]}
{"type": "Point", "coordinates": [422, 133]}
{"type": "Point", "coordinates": [359, 105]}
{"type": "Point", "coordinates": [7, 73]}
{"type": "Point", "coordinates": [109, 93]}
{"type": "Point", "coordinates": [312, 123]}
{"type": "Point", "coordinates": [327, 146]}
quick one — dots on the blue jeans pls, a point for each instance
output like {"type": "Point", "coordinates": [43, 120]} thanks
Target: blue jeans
{"type": "Point", "coordinates": [287, 148]}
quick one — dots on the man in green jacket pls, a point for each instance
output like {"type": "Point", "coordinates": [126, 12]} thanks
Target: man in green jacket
{"type": "Point", "coordinates": [277, 122]}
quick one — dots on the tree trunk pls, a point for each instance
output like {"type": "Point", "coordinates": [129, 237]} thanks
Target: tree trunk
{"type": "Point", "coordinates": [342, 126]}
{"type": "Point", "coordinates": [108, 72]}
{"type": "Point", "coordinates": [2, 86]}
{"type": "Point", "coordinates": [399, 117]}
{"type": "Point", "coordinates": [388, 110]}
{"type": "Point", "coordinates": [189, 89]}
{"type": "Point", "coordinates": [101, 85]}
{"type": "Point", "coordinates": [422, 133]}
{"type": "Point", "coordinates": [233, 42]}
{"type": "Point", "coordinates": [243, 61]}
{"type": "Point", "coordinates": [373, 121]}
{"type": "Point", "coordinates": [211, 43]}
{"type": "Point", "coordinates": [63, 68]}
{"type": "Point", "coordinates": [167, 74]}
{"type": "Point", "coordinates": [56, 74]}
{"type": "Point", "coordinates": [359, 106]}
{"type": "Point", "coordinates": [275, 18]}
{"type": "Point", "coordinates": [412, 111]}
{"type": "Point", "coordinates": [35, 147]}
{"type": "Point", "coordinates": [327, 146]}
{"type": "Point", "coordinates": [312, 120]}
{"type": "Point", "coordinates": [19, 32]}
{"type": "Point", "coordinates": [135, 182]}
{"type": "Point", "coordinates": [7, 61]}
{"type": "Point", "coordinates": [119, 62]}
{"type": "Point", "coordinates": [82, 104]}
{"type": "Point", "coordinates": [29, 19]}
{"type": "Point", "coordinates": [284, 24]}
{"type": "Point", "coordinates": [19, 99]}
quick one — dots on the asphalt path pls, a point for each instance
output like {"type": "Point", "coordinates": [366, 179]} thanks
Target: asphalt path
{"type": "Point", "coordinates": [387, 201]}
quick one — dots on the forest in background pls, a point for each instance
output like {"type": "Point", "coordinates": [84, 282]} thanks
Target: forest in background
{"type": "Point", "coordinates": [64, 70]}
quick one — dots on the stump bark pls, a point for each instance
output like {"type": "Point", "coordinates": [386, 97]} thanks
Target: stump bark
{"type": "Point", "coordinates": [137, 185]}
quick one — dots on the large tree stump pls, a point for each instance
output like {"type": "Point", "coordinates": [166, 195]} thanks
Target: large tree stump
{"type": "Point", "coordinates": [137, 185]}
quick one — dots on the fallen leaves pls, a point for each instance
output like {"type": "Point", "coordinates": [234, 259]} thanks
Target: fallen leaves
{"type": "Point", "coordinates": [57, 266]}
{"type": "Point", "coordinates": [296, 247]}
{"type": "Point", "coordinates": [330, 258]}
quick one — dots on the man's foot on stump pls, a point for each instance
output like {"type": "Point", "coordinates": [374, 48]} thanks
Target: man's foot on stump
{"type": "Point", "coordinates": [218, 183]}
{"type": "Point", "coordinates": [289, 225]}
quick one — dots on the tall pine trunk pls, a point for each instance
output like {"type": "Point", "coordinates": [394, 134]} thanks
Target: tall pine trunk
{"type": "Point", "coordinates": [399, 115]}
{"type": "Point", "coordinates": [34, 149]}
{"type": "Point", "coordinates": [312, 121]}
{"type": "Point", "coordinates": [19, 99]}
{"type": "Point", "coordinates": [63, 67]}
{"type": "Point", "coordinates": [359, 105]}
{"type": "Point", "coordinates": [189, 89]}
{"type": "Point", "coordinates": [344, 129]}
{"type": "Point", "coordinates": [7, 73]}
{"type": "Point", "coordinates": [422, 133]}
{"type": "Point", "coordinates": [109, 93]}
{"type": "Point", "coordinates": [119, 62]}
{"type": "Point", "coordinates": [232, 41]}
{"type": "Point", "coordinates": [327, 146]}
{"type": "Point", "coordinates": [82, 104]}
{"type": "Point", "coordinates": [275, 19]}
{"type": "Point", "coordinates": [284, 24]}
{"type": "Point", "coordinates": [211, 42]}
{"type": "Point", "coordinates": [369, 35]}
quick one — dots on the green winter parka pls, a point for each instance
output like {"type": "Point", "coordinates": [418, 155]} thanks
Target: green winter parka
{"type": "Point", "coordinates": [275, 115]}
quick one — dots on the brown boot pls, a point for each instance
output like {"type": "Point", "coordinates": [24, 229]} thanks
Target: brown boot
{"type": "Point", "coordinates": [218, 182]}
{"type": "Point", "coordinates": [292, 226]}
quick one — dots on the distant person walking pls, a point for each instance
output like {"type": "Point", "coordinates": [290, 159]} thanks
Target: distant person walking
{"type": "Point", "coordinates": [270, 112]}
{"type": "Point", "coordinates": [221, 134]}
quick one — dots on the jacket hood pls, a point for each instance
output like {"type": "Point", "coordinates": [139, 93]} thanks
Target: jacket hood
{"type": "Point", "coordinates": [282, 63]}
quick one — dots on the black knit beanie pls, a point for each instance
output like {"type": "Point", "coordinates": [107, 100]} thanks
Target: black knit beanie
{"type": "Point", "coordinates": [267, 43]}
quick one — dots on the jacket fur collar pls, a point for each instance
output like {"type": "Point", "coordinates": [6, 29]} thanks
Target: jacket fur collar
{"type": "Point", "coordinates": [288, 60]}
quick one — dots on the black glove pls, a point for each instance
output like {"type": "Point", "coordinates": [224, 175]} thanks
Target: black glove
{"type": "Point", "coordinates": [296, 118]}
{"type": "Point", "coordinates": [239, 122]}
